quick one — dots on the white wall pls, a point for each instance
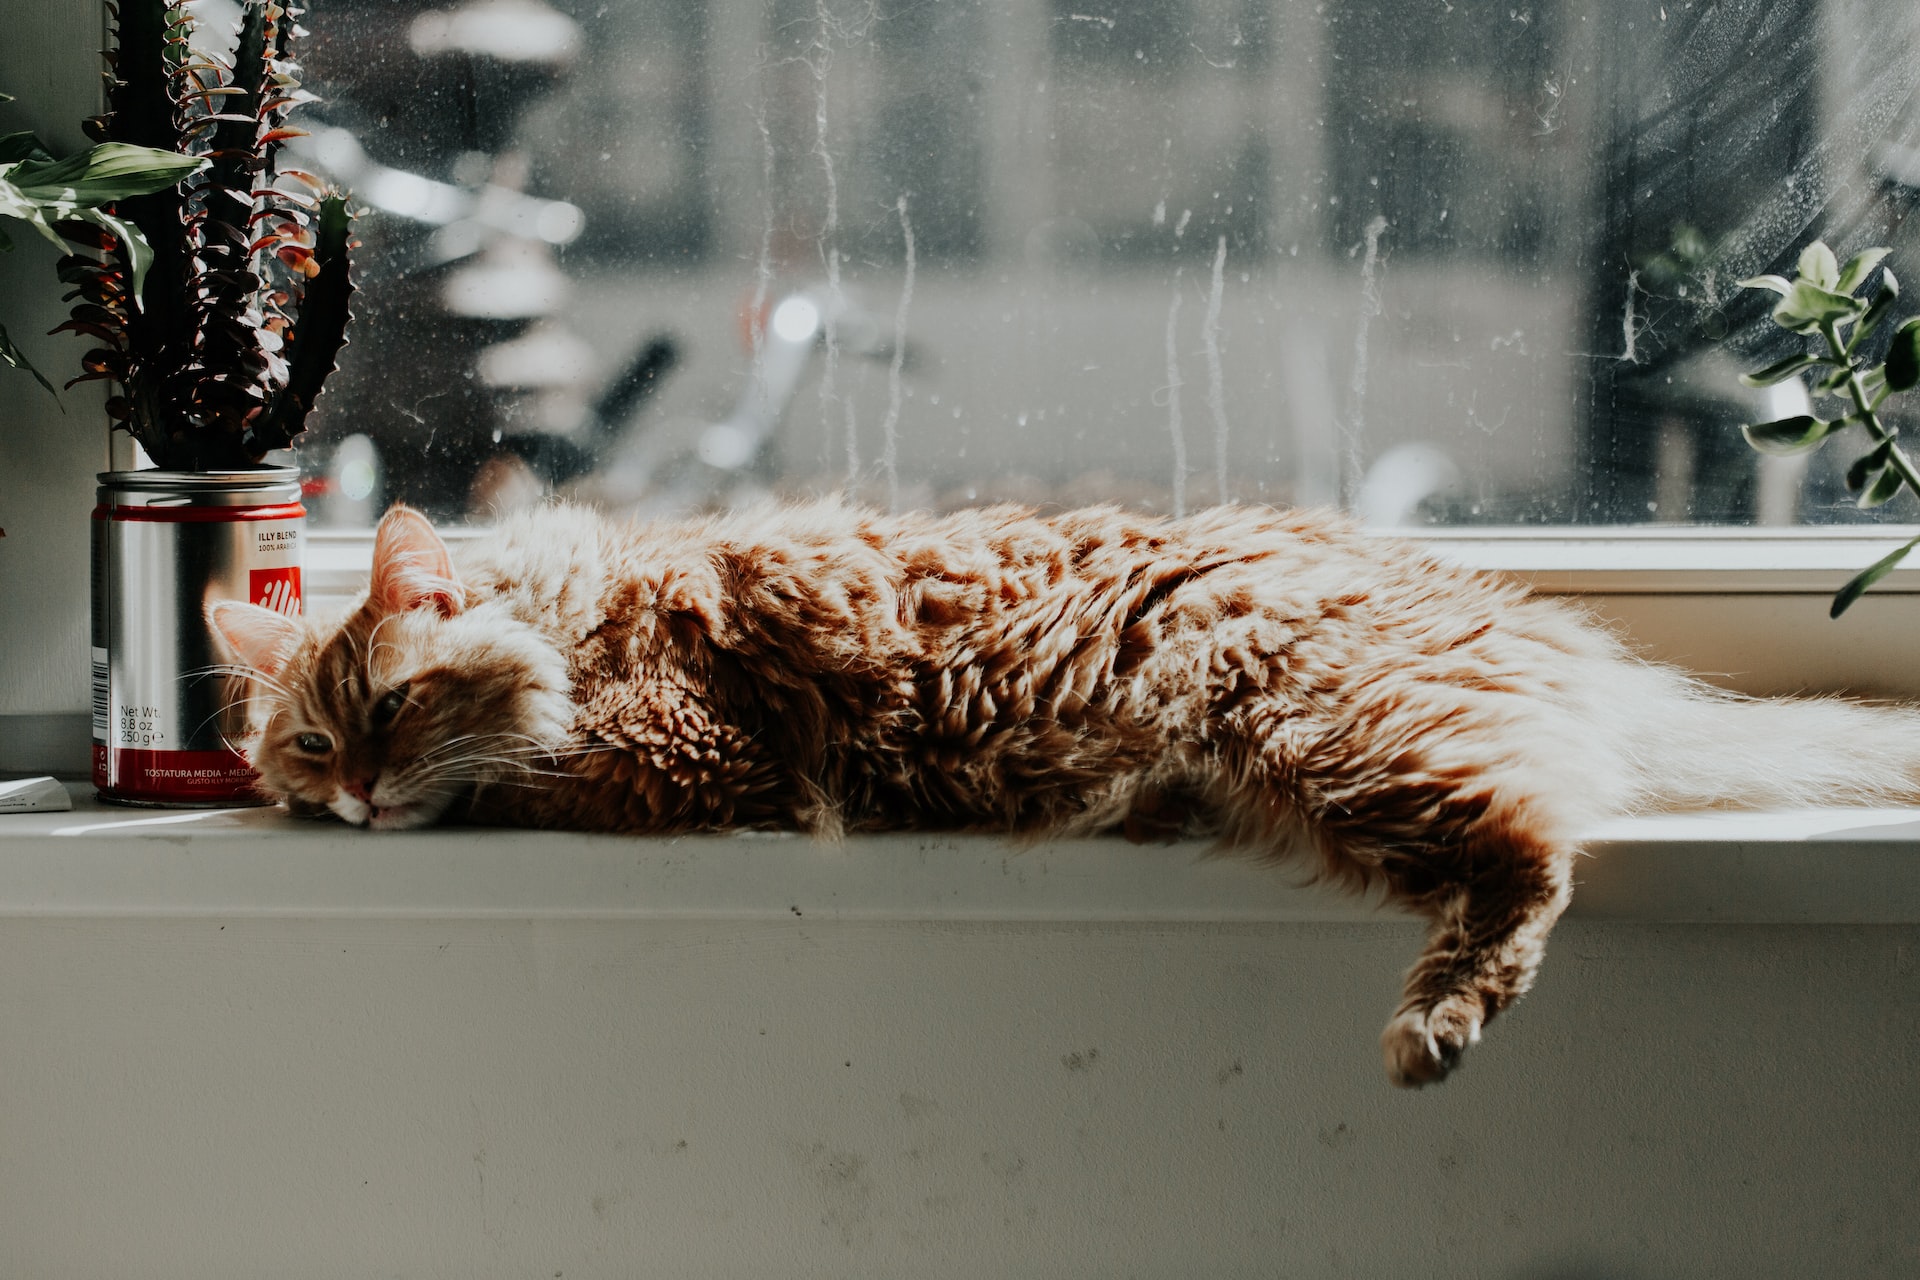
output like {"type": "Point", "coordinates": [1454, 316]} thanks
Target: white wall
{"type": "Point", "coordinates": [205, 1098]}
{"type": "Point", "coordinates": [241, 1046]}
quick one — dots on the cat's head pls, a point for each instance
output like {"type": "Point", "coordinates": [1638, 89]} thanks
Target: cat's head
{"type": "Point", "coordinates": [419, 694]}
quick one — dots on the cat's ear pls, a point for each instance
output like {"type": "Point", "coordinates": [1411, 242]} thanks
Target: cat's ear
{"type": "Point", "coordinates": [262, 639]}
{"type": "Point", "coordinates": [411, 567]}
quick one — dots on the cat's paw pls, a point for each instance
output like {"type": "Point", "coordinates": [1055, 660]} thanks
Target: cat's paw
{"type": "Point", "coordinates": [1423, 1043]}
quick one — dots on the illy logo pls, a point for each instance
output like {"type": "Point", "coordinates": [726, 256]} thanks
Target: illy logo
{"type": "Point", "coordinates": [276, 589]}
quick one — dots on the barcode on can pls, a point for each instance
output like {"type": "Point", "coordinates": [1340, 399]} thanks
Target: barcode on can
{"type": "Point", "coordinates": [101, 713]}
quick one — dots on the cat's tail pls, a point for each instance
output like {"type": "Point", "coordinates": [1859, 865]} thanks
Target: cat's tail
{"type": "Point", "coordinates": [1700, 747]}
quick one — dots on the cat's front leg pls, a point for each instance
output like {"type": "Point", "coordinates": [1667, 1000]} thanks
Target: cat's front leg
{"type": "Point", "coordinates": [1465, 808]}
{"type": "Point", "coordinates": [1488, 936]}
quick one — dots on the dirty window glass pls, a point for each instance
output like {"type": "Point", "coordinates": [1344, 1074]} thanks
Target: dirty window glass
{"type": "Point", "coordinates": [1440, 261]}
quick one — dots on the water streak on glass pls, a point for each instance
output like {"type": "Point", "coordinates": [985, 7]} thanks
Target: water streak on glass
{"type": "Point", "coordinates": [1469, 262]}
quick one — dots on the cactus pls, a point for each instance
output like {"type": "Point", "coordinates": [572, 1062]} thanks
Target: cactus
{"type": "Point", "coordinates": [220, 329]}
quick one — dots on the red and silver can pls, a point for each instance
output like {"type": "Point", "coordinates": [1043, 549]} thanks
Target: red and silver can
{"type": "Point", "coordinates": [165, 545]}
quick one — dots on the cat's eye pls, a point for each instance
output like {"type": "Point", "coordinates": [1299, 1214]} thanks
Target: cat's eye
{"type": "Point", "coordinates": [313, 743]}
{"type": "Point", "coordinates": [389, 705]}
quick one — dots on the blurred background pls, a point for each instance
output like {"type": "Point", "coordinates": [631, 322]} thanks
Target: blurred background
{"type": "Point", "coordinates": [1439, 261]}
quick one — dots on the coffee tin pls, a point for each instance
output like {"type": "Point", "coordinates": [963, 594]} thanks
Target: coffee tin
{"type": "Point", "coordinates": [166, 716]}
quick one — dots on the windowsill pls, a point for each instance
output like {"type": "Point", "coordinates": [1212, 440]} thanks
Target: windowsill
{"type": "Point", "coordinates": [1561, 559]}
{"type": "Point", "coordinates": [1859, 866]}
{"type": "Point", "coordinates": [1745, 608]}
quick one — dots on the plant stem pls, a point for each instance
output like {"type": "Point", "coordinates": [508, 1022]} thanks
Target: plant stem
{"type": "Point", "coordinates": [1864, 409]}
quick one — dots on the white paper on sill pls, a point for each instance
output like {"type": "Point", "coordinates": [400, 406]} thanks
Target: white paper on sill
{"type": "Point", "coordinates": [34, 795]}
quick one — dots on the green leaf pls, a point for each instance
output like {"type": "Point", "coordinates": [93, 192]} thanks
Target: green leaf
{"type": "Point", "coordinates": [1835, 380]}
{"type": "Point", "coordinates": [1817, 264]}
{"type": "Point", "coordinates": [1689, 244]}
{"type": "Point", "coordinates": [1779, 284]}
{"type": "Point", "coordinates": [1867, 464]}
{"type": "Point", "coordinates": [15, 147]}
{"type": "Point", "coordinates": [1867, 577]}
{"type": "Point", "coordinates": [1883, 300]}
{"type": "Point", "coordinates": [1780, 372]}
{"type": "Point", "coordinates": [1787, 436]}
{"type": "Point", "coordinates": [13, 356]}
{"type": "Point", "coordinates": [1808, 305]}
{"type": "Point", "coordinates": [1884, 486]}
{"type": "Point", "coordinates": [102, 174]}
{"type": "Point", "coordinates": [1903, 357]}
{"type": "Point", "coordinates": [1858, 268]}
{"type": "Point", "coordinates": [15, 205]}
{"type": "Point", "coordinates": [132, 243]}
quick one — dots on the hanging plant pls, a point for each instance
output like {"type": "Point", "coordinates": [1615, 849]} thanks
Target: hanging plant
{"type": "Point", "coordinates": [1832, 302]}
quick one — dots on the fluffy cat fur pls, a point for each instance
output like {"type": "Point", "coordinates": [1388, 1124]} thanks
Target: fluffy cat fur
{"type": "Point", "coordinates": [1284, 680]}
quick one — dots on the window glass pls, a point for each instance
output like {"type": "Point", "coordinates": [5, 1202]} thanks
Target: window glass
{"type": "Point", "coordinates": [1442, 261]}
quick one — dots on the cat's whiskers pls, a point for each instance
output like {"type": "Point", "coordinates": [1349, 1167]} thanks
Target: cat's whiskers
{"type": "Point", "coordinates": [521, 760]}
{"type": "Point", "coordinates": [517, 756]}
{"type": "Point", "coordinates": [240, 671]}
{"type": "Point", "coordinates": [223, 714]}
{"type": "Point", "coordinates": [481, 763]}
{"type": "Point", "coordinates": [468, 739]}
{"type": "Point", "coordinates": [219, 719]}
{"type": "Point", "coordinates": [448, 778]}
{"type": "Point", "coordinates": [512, 775]}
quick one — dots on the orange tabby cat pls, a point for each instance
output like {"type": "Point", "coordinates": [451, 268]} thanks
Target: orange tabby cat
{"type": "Point", "coordinates": [1283, 679]}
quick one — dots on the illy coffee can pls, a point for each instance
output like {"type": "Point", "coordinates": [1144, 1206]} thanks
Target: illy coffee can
{"type": "Point", "coordinates": [166, 716]}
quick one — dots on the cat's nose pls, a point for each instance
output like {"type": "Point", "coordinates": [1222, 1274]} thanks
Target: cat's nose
{"type": "Point", "coordinates": [362, 790]}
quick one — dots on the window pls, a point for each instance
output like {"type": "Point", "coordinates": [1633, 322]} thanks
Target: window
{"type": "Point", "coordinates": [1455, 262]}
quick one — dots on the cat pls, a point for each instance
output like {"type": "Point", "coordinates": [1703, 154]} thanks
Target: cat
{"type": "Point", "coordinates": [1284, 680]}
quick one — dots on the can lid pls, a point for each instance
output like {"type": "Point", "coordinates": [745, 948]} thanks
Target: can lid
{"type": "Point", "coordinates": [156, 480]}
{"type": "Point", "coordinates": [191, 490]}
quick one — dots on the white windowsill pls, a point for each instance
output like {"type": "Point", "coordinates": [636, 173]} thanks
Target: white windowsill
{"type": "Point", "coordinates": [1800, 867]}
{"type": "Point", "coordinates": [1579, 560]}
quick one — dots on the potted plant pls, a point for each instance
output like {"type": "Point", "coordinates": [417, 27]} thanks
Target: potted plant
{"type": "Point", "coordinates": [1842, 306]}
{"type": "Point", "coordinates": [216, 302]}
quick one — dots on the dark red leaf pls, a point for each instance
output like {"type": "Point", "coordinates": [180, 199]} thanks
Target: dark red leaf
{"type": "Point", "coordinates": [95, 315]}
{"type": "Point", "coordinates": [289, 217]}
{"type": "Point", "coordinates": [100, 331]}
